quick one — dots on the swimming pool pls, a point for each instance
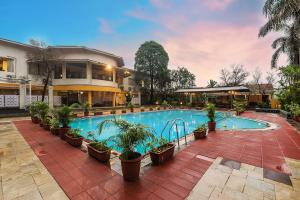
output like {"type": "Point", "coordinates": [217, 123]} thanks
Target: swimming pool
{"type": "Point", "coordinates": [158, 120]}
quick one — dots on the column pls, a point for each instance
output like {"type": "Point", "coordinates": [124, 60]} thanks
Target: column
{"type": "Point", "coordinates": [90, 99]}
{"type": "Point", "coordinates": [114, 99]}
{"type": "Point", "coordinates": [114, 75]}
{"type": "Point", "coordinates": [139, 96]}
{"type": "Point", "coordinates": [22, 95]}
{"type": "Point", "coordinates": [50, 96]}
{"type": "Point", "coordinates": [191, 98]}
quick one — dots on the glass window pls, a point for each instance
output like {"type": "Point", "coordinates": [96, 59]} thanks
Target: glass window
{"type": "Point", "coordinates": [7, 64]}
{"type": "Point", "coordinates": [102, 73]}
{"type": "Point", "coordinates": [76, 70]}
{"type": "Point", "coordinates": [58, 71]}
{"type": "Point", "coordinates": [33, 68]}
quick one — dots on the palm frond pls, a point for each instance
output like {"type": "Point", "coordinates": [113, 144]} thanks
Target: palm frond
{"type": "Point", "coordinates": [276, 56]}
{"type": "Point", "coordinates": [279, 42]}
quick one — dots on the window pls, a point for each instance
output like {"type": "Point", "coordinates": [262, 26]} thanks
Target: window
{"type": "Point", "coordinates": [76, 70]}
{"type": "Point", "coordinates": [7, 64]}
{"type": "Point", "coordinates": [58, 71]}
{"type": "Point", "coordinates": [102, 73]}
{"type": "Point", "coordinates": [33, 69]}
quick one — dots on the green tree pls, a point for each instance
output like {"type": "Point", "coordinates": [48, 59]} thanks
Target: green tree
{"type": "Point", "coordinates": [151, 61]}
{"type": "Point", "coordinates": [283, 15]}
{"type": "Point", "coordinates": [182, 78]}
{"type": "Point", "coordinates": [211, 83]}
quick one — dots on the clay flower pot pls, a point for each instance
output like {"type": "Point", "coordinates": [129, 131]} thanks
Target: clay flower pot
{"type": "Point", "coordinates": [54, 131]}
{"type": "Point", "coordinates": [35, 120]}
{"type": "Point", "coordinates": [211, 126]}
{"type": "Point", "coordinates": [98, 113]}
{"type": "Point", "coordinates": [123, 111]}
{"type": "Point", "coordinates": [86, 113]}
{"type": "Point", "coordinates": [74, 141]}
{"type": "Point", "coordinates": [113, 112]}
{"type": "Point", "coordinates": [166, 154]}
{"type": "Point", "coordinates": [102, 156]}
{"type": "Point", "coordinates": [131, 168]}
{"type": "Point", "coordinates": [63, 131]}
{"type": "Point", "coordinates": [199, 134]}
{"type": "Point", "coordinates": [46, 127]}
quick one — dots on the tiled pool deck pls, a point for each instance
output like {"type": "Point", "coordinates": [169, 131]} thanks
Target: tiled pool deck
{"type": "Point", "coordinates": [82, 177]}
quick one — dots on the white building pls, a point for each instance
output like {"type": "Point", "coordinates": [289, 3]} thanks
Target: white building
{"type": "Point", "coordinates": [82, 74]}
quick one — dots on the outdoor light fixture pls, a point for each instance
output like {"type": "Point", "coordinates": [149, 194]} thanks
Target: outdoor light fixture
{"type": "Point", "coordinates": [108, 67]}
{"type": "Point", "coordinates": [81, 92]}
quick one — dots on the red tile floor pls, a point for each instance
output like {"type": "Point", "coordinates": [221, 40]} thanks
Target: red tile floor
{"type": "Point", "coordinates": [82, 177]}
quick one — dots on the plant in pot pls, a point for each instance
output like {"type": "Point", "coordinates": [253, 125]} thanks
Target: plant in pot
{"type": "Point", "coordinates": [73, 137]}
{"type": "Point", "coordinates": [130, 105]}
{"type": "Point", "coordinates": [295, 110]}
{"type": "Point", "coordinates": [164, 104]}
{"type": "Point", "coordinates": [43, 109]}
{"type": "Point", "coordinates": [113, 112]}
{"type": "Point", "coordinates": [200, 132]}
{"type": "Point", "coordinates": [64, 116]}
{"type": "Point", "coordinates": [34, 113]}
{"type": "Point", "coordinates": [161, 150]}
{"type": "Point", "coordinates": [98, 149]}
{"type": "Point", "coordinates": [211, 110]}
{"type": "Point", "coordinates": [142, 109]}
{"type": "Point", "coordinates": [85, 106]}
{"type": "Point", "coordinates": [46, 122]}
{"type": "Point", "coordinates": [130, 136]}
{"type": "Point", "coordinates": [124, 111]}
{"type": "Point", "coordinates": [54, 126]}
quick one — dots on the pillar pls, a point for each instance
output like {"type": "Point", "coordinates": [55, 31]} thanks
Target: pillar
{"type": "Point", "coordinates": [50, 96]}
{"type": "Point", "coordinates": [90, 99]}
{"type": "Point", "coordinates": [22, 96]}
{"type": "Point", "coordinates": [114, 75]}
{"type": "Point", "coordinates": [140, 99]}
{"type": "Point", "coordinates": [191, 98]}
{"type": "Point", "coordinates": [114, 99]}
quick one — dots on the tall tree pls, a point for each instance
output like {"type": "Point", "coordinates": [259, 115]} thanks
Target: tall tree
{"type": "Point", "coordinates": [211, 83]}
{"type": "Point", "coordinates": [46, 59]}
{"type": "Point", "coordinates": [283, 15]}
{"type": "Point", "coordinates": [182, 78]}
{"type": "Point", "coordinates": [235, 76]}
{"type": "Point", "coordinates": [150, 61]}
{"type": "Point", "coordinates": [257, 80]}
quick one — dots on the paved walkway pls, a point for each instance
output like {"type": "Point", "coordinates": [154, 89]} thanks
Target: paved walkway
{"type": "Point", "coordinates": [22, 175]}
{"type": "Point", "coordinates": [81, 177]}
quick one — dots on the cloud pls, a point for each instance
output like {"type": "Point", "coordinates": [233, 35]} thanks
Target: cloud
{"type": "Point", "coordinates": [217, 4]}
{"type": "Point", "coordinates": [105, 26]}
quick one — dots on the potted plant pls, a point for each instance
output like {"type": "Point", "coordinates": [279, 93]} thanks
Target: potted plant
{"type": "Point", "coordinates": [64, 117]}
{"type": "Point", "coordinates": [211, 109]}
{"type": "Point", "coordinates": [164, 104]}
{"type": "Point", "coordinates": [54, 126]}
{"type": "Point", "coordinates": [46, 122]}
{"type": "Point", "coordinates": [113, 112]}
{"type": "Point", "coordinates": [130, 105]}
{"type": "Point", "coordinates": [295, 110]}
{"type": "Point", "coordinates": [161, 150]}
{"type": "Point", "coordinates": [42, 109]}
{"type": "Point", "coordinates": [124, 111]}
{"type": "Point", "coordinates": [200, 132]}
{"type": "Point", "coordinates": [34, 113]}
{"type": "Point", "coordinates": [142, 109]}
{"type": "Point", "coordinates": [151, 109]}
{"type": "Point", "coordinates": [73, 137]}
{"type": "Point", "coordinates": [130, 136]}
{"type": "Point", "coordinates": [85, 106]}
{"type": "Point", "coordinates": [98, 149]}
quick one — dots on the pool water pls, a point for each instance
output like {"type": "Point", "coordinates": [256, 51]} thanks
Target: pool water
{"type": "Point", "coordinates": [158, 120]}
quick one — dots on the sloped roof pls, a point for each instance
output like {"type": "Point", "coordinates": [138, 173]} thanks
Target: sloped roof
{"type": "Point", "coordinates": [214, 89]}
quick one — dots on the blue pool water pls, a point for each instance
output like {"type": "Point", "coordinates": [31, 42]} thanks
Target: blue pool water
{"type": "Point", "coordinates": [158, 120]}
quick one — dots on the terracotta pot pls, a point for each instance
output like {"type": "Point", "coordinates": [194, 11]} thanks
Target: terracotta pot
{"type": "Point", "coordinates": [161, 157]}
{"type": "Point", "coordinates": [75, 115]}
{"type": "Point", "coordinates": [98, 113]}
{"type": "Point", "coordinates": [298, 118]}
{"type": "Point", "coordinates": [46, 127]}
{"type": "Point", "coordinates": [211, 126]}
{"type": "Point", "coordinates": [131, 110]}
{"type": "Point", "coordinates": [142, 110]}
{"type": "Point", "coordinates": [150, 109]}
{"type": "Point", "coordinates": [86, 114]}
{"type": "Point", "coordinates": [238, 113]}
{"type": "Point", "coordinates": [113, 112]}
{"type": "Point", "coordinates": [35, 120]}
{"type": "Point", "coordinates": [102, 156]}
{"type": "Point", "coordinates": [55, 131]}
{"type": "Point", "coordinates": [63, 132]}
{"type": "Point", "coordinates": [123, 111]}
{"type": "Point", "coordinates": [131, 168]}
{"type": "Point", "coordinates": [74, 141]}
{"type": "Point", "coordinates": [158, 108]}
{"type": "Point", "coordinates": [199, 134]}
{"type": "Point", "coordinates": [41, 124]}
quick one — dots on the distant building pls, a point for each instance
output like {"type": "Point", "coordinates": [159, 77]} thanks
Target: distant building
{"type": "Point", "coordinates": [83, 75]}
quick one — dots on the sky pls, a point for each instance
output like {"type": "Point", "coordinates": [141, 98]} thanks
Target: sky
{"type": "Point", "coordinates": [201, 35]}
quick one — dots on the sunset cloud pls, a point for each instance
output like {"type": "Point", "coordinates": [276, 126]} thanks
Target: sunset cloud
{"type": "Point", "coordinates": [217, 4]}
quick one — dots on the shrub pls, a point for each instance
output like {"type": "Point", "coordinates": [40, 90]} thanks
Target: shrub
{"type": "Point", "coordinates": [64, 116]}
{"type": "Point", "coordinates": [42, 109]}
{"type": "Point", "coordinates": [211, 109]}
{"type": "Point", "coordinates": [74, 132]}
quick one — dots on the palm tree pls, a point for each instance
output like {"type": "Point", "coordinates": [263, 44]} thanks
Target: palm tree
{"type": "Point", "coordinates": [289, 44]}
{"type": "Point", "coordinates": [283, 15]}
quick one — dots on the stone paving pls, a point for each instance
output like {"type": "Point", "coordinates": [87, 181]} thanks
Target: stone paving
{"type": "Point", "coordinates": [224, 183]}
{"type": "Point", "coordinates": [22, 174]}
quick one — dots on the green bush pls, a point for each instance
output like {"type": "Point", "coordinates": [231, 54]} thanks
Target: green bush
{"type": "Point", "coordinates": [211, 110]}
{"type": "Point", "coordinates": [65, 116]}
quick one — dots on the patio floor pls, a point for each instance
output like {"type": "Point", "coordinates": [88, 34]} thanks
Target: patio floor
{"type": "Point", "coordinates": [82, 177]}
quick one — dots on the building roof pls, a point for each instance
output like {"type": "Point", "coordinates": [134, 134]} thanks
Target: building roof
{"type": "Point", "coordinates": [214, 89]}
{"type": "Point", "coordinates": [119, 59]}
